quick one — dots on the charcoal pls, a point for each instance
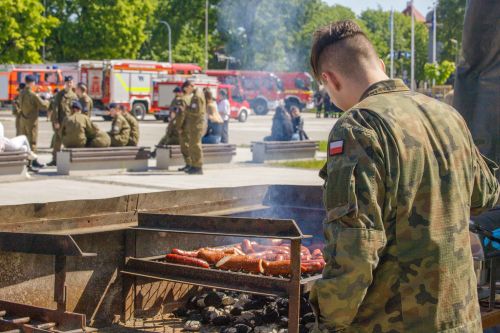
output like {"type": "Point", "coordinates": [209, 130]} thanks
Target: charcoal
{"type": "Point", "coordinates": [191, 304]}
{"type": "Point", "coordinates": [221, 320]}
{"type": "Point", "coordinates": [227, 309]}
{"type": "Point", "coordinates": [180, 312]}
{"type": "Point", "coordinates": [255, 304]}
{"type": "Point", "coordinates": [247, 315]}
{"type": "Point", "coordinates": [192, 325]}
{"type": "Point", "coordinates": [283, 311]}
{"type": "Point", "coordinates": [228, 330]}
{"type": "Point", "coordinates": [210, 313]}
{"type": "Point", "coordinates": [303, 329]}
{"type": "Point", "coordinates": [194, 315]}
{"type": "Point", "coordinates": [310, 326]}
{"type": "Point", "coordinates": [214, 298]}
{"type": "Point", "coordinates": [201, 303]}
{"type": "Point", "coordinates": [308, 318]}
{"type": "Point", "coordinates": [283, 330]}
{"type": "Point", "coordinates": [282, 302]}
{"type": "Point", "coordinates": [264, 329]}
{"type": "Point", "coordinates": [283, 321]}
{"type": "Point", "coordinates": [236, 311]}
{"type": "Point", "coordinates": [228, 300]}
{"type": "Point", "coordinates": [305, 306]}
{"type": "Point", "coordinates": [271, 314]}
{"type": "Point", "coordinates": [242, 328]}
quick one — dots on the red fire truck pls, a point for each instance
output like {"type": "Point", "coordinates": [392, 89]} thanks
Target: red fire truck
{"type": "Point", "coordinates": [163, 95]}
{"type": "Point", "coordinates": [263, 90]}
{"type": "Point", "coordinates": [297, 89]}
{"type": "Point", "coordinates": [127, 82]}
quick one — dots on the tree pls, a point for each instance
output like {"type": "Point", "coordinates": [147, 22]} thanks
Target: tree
{"type": "Point", "coordinates": [98, 29]}
{"type": "Point", "coordinates": [450, 19]}
{"type": "Point", "coordinates": [377, 24]}
{"type": "Point", "coordinates": [440, 73]}
{"type": "Point", "coordinates": [23, 28]}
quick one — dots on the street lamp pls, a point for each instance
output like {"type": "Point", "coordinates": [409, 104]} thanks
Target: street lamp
{"type": "Point", "coordinates": [169, 41]}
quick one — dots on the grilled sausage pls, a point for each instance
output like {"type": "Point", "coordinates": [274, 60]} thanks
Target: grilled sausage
{"type": "Point", "coordinates": [247, 247]}
{"type": "Point", "coordinates": [183, 260]}
{"type": "Point", "coordinates": [281, 267]}
{"type": "Point", "coordinates": [241, 263]}
{"type": "Point", "coordinates": [210, 255]}
{"type": "Point", "coordinates": [317, 253]}
{"type": "Point", "coordinates": [180, 252]}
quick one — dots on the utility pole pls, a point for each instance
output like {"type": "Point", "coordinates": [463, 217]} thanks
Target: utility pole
{"type": "Point", "coordinates": [44, 15]}
{"type": "Point", "coordinates": [412, 70]}
{"type": "Point", "coordinates": [392, 43]}
{"type": "Point", "coordinates": [206, 34]}
{"type": "Point", "coordinates": [169, 40]}
{"type": "Point", "coordinates": [434, 43]}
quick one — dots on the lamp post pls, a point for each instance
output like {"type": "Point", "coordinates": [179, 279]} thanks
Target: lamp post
{"type": "Point", "coordinates": [206, 34]}
{"type": "Point", "coordinates": [169, 40]}
{"type": "Point", "coordinates": [392, 43]}
{"type": "Point", "coordinates": [412, 70]}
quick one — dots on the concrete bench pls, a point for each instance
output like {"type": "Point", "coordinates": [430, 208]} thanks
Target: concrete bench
{"type": "Point", "coordinates": [85, 159]}
{"type": "Point", "coordinates": [13, 163]}
{"type": "Point", "coordinates": [168, 156]}
{"type": "Point", "coordinates": [283, 150]}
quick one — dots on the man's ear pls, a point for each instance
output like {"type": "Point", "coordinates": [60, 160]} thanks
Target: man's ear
{"type": "Point", "coordinates": [333, 79]}
{"type": "Point", "coordinates": [382, 64]}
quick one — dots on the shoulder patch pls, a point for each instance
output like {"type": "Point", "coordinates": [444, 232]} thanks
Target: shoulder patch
{"type": "Point", "coordinates": [336, 147]}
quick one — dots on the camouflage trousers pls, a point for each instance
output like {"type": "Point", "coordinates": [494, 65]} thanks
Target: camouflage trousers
{"type": "Point", "coordinates": [101, 140]}
{"type": "Point", "coordinates": [184, 143]}
{"type": "Point", "coordinates": [29, 127]}
{"type": "Point", "coordinates": [195, 132]}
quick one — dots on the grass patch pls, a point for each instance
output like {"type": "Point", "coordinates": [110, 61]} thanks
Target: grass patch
{"type": "Point", "coordinates": [306, 164]}
{"type": "Point", "coordinates": [322, 146]}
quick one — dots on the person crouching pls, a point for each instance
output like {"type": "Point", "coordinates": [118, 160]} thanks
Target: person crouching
{"type": "Point", "coordinates": [78, 131]}
{"type": "Point", "coordinates": [120, 129]}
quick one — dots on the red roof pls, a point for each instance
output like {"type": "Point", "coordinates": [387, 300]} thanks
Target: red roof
{"type": "Point", "coordinates": [418, 16]}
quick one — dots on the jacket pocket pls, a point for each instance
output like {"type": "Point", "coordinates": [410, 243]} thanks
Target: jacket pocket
{"type": "Point", "coordinates": [339, 193]}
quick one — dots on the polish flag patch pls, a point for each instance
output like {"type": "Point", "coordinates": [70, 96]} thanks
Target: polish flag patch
{"type": "Point", "coordinates": [336, 147]}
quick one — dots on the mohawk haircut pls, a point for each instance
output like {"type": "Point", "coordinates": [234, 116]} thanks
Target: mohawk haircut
{"type": "Point", "coordinates": [344, 46]}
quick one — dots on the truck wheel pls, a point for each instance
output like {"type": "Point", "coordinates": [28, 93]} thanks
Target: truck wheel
{"type": "Point", "coordinates": [107, 118]}
{"type": "Point", "coordinates": [259, 106]}
{"type": "Point", "coordinates": [139, 110]}
{"type": "Point", "coordinates": [243, 116]}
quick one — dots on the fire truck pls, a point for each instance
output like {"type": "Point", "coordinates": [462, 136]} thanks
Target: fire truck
{"type": "Point", "coordinates": [127, 82]}
{"type": "Point", "coordinates": [47, 79]}
{"type": "Point", "coordinates": [263, 90]}
{"type": "Point", "coordinates": [297, 89]}
{"type": "Point", "coordinates": [163, 95]}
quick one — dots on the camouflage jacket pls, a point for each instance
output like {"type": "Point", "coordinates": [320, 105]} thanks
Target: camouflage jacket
{"type": "Point", "coordinates": [120, 130]}
{"type": "Point", "coordinates": [134, 128]}
{"type": "Point", "coordinates": [178, 105]}
{"type": "Point", "coordinates": [62, 105]}
{"type": "Point", "coordinates": [87, 104]}
{"type": "Point", "coordinates": [401, 180]}
{"type": "Point", "coordinates": [30, 104]}
{"type": "Point", "coordinates": [77, 130]}
{"type": "Point", "coordinates": [196, 106]}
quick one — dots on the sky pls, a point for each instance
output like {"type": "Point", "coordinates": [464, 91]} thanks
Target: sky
{"type": "Point", "coordinates": [359, 5]}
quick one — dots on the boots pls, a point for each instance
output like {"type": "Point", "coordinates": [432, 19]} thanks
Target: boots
{"type": "Point", "coordinates": [194, 171]}
{"type": "Point", "coordinates": [37, 165]}
{"type": "Point", "coordinates": [184, 168]}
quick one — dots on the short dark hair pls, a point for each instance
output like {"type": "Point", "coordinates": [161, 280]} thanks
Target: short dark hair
{"type": "Point", "coordinates": [344, 44]}
{"type": "Point", "coordinates": [82, 86]}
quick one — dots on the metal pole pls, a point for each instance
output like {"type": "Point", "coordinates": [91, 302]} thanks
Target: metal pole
{"type": "Point", "coordinates": [169, 41]}
{"type": "Point", "coordinates": [44, 15]}
{"type": "Point", "coordinates": [434, 28]}
{"type": "Point", "coordinates": [412, 70]}
{"type": "Point", "coordinates": [206, 34]}
{"type": "Point", "coordinates": [392, 43]}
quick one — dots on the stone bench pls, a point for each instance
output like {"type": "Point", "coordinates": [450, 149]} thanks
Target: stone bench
{"type": "Point", "coordinates": [85, 159]}
{"type": "Point", "coordinates": [13, 163]}
{"type": "Point", "coordinates": [283, 150]}
{"type": "Point", "coordinates": [168, 156]}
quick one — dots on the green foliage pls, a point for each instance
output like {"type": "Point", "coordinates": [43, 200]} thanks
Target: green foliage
{"type": "Point", "coordinates": [439, 72]}
{"type": "Point", "coordinates": [23, 28]}
{"type": "Point", "coordinates": [98, 29]}
{"type": "Point", "coordinates": [450, 19]}
{"type": "Point", "coordinates": [307, 164]}
{"type": "Point", "coordinates": [322, 146]}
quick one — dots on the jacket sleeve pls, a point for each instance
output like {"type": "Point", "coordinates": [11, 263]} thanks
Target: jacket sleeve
{"type": "Point", "coordinates": [485, 191]}
{"type": "Point", "coordinates": [90, 129]}
{"type": "Point", "coordinates": [124, 134]}
{"type": "Point", "coordinates": [353, 195]}
{"type": "Point", "coordinates": [40, 103]}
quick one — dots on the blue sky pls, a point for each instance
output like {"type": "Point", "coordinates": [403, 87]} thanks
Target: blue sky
{"type": "Point", "coordinates": [359, 5]}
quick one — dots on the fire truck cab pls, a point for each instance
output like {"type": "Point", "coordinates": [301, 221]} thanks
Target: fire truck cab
{"type": "Point", "coordinates": [297, 89]}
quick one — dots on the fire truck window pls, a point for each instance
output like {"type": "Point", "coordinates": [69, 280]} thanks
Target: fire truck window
{"type": "Point", "coordinates": [50, 77]}
{"type": "Point", "coordinates": [230, 80]}
{"type": "Point", "coordinates": [236, 96]}
{"type": "Point", "coordinates": [248, 84]}
{"type": "Point", "coordinates": [37, 77]}
{"type": "Point", "coordinates": [300, 84]}
{"type": "Point", "coordinates": [279, 83]}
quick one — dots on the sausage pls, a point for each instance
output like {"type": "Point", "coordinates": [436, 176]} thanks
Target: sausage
{"type": "Point", "coordinates": [241, 263]}
{"type": "Point", "coordinates": [281, 267]}
{"type": "Point", "coordinates": [211, 256]}
{"type": "Point", "coordinates": [180, 252]}
{"type": "Point", "coordinates": [312, 266]}
{"type": "Point", "coordinates": [183, 260]}
{"type": "Point", "coordinates": [247, 247]}
{"type": "Point", "coordinates": [317, 253]}
{"type": "Point", "coordinates": [226, 250]}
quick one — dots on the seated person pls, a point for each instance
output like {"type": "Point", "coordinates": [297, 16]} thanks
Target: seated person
{"type": "Point", "coordinates": [134, 126]}
{"type": "Point", "coordinates": [282, 128]}
{"type": "Point", "coordinates": [120, 129]}
{"type": "Point", "coordinates": [78, 131]}
{"type": "Point", "coordinates": [171, 137]}
{"type": "Point", "coordinates": [215, 122]}
{"type": "Point", "coordinates": [18, 143]}
{"type": "Point", "coordinates": [298, 125]}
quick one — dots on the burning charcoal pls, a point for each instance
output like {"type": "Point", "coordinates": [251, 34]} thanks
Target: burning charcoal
{"type": "Point", "coordinates": [192, 325]}
{"type": "Point", "coordinates": [228, 300]}
{"type": "Point", "coordinates": [214, 299]}
{"type": "Point", "coordinates": [228, 330]}
{"type": "Point", "coordinates": [236, 311]}
{"type": "Point", "coordinates": [180, 312]}
{"type": "Point", "coordinates": [308, 318]}
{"type": "Point", "coordinates": [283, 321]}
{"type": "Point", "coordinates": [242, 328]}
{"type": "Point", "coordinates": [221, 320]}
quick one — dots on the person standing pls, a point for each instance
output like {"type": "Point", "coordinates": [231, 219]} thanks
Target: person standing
{"type": "Point", "coordinates": [120, 129]}
{"type": "Point", "coordinates": [29, 106]}
{"type": "Point", "coordinates": [134, 126]}
{"type": "Point", "coordinates": [16, 109]}
{"type": "Point", "coordinates": [215, 123]}
{"type": "Point", "coordinates": [84, 99]}
{"type": "Point", "coordinates": [318, 102]}
{"type": "Point", "coordinates": [402, 178]}
{"type": "Point", "coordinates": [61, 109]}
{"type": "Point", "coordinates": [225, 113]}
{"type": "Point", "coordinates": [195, 120]}
{"type": "Point", "coordinates": [178, 106]}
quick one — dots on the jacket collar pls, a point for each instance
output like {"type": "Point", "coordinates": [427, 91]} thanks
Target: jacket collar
{"type": "Point", "coordinates": [383, 87]}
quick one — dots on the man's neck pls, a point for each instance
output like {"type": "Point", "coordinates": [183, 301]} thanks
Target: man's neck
{"type": "Point", "coordinates": [370, 79]}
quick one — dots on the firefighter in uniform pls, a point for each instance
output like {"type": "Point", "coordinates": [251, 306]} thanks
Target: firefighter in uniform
{"type": "Point", "coordinates": [134, 126]}
{"type": "Point", "coordinates": [16, 110]}
{"type": "Point", "coordinates": [29, 106]}
{"type": "Point", "coordinates": [84, 99]}
{"type": "Point", "coordinates": [179, 105]}
{"type": "Point", "coordinates": [402, 178]}
{"type": "Point", "coordinates": [78, 131]}
{"type": "Point", "coordinates": [194, 124]}
{"type": "Point", "coordinates": [61, 109]}
{"type": "Point", "coordinates": [120, 129]}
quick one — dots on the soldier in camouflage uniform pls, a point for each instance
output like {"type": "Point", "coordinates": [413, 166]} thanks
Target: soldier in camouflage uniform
{"type": "Point", "coordinates": [84, 99]}
{"type": "Point", "coordinates": [61, 109]}
{"type": "Point", "coordinates": [401, 180]}
{"type": "Point", "coordinates": [171, 136]}
{"type": "Point", "coordinates": [178, 105]}
{"type": "Point", "coordinates": [29, 106]}
{"type": "Point", "coordinates": [78, 131]}
{"type": "Point", "coordinates": [120, 129]}
{"type": "Point", "coordinates": [16, 111]}
{"type": "Point", "coordinates": [194, 125]}
{"type": "Point", "coordinates": [134, 126]}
